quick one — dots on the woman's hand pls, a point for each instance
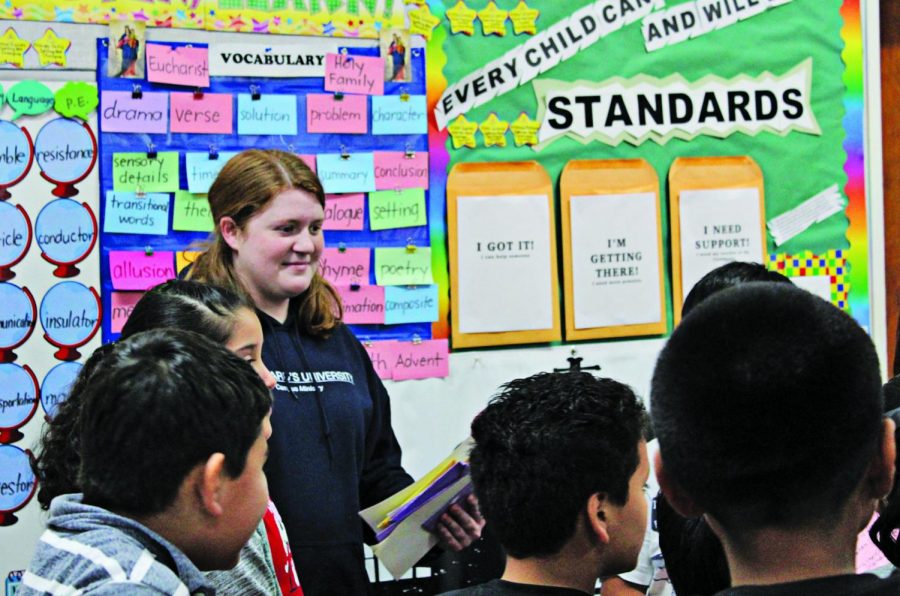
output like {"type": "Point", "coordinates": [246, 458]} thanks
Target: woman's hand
{"type": "Point", "coordinates": [461, 525]}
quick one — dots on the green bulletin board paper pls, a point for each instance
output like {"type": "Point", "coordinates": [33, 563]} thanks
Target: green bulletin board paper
{"type": "Point", "coordinates": [795, 166]}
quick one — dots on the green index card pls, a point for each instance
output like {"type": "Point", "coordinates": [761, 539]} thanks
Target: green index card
{"type": "Point", "coordinates": [401, 208]}
{"type": "Point", "coordinates": [403, 266]}
{"type": "Point", "coordinates": [136, 172]}
{"type": "Point", "coordinates": [192, 213]}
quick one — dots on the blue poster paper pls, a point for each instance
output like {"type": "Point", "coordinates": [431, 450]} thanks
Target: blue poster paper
{"type": "Point", "coordinates": [349, 173]}
{"type": "Point", "coordinates": [14, 233]}
{"type": "Point", "coordinates": [410, 304]}
{"type": "Point", "coordinates": [64, 150]}
{"type": "Point", "coordinates": [56, 386]}
{"type": "Point", "coordinates": [16, 474]}
{"type": "Point", "coordinates": [70, 313]}
{"type": "Point", "coordinates": [268, 115]}
{"type": "Point", "coordinates": [15, 155]}
{"type": "Point", "coordinates": [127, 213]}
{"type": "Point", "coordinates": [391, 115]}
{"type": "Point", "coordinates": [18, 394]}
{"type": "Point", "coordinates": [201, 171]}
{"type": "Point", "coordinates": [16, 314]}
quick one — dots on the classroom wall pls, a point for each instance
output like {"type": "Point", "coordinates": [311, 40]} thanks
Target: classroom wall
{"type": "Point", "coordinates": [430, 416]}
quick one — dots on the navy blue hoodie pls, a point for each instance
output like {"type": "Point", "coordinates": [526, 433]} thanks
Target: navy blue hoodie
{"type": "Point", "coordinates": [332, 451]}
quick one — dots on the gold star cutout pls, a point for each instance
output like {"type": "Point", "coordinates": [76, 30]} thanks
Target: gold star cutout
{"type": "Point", "coordinates": [494, 131]}
{"type": "Point", "coordinates": [13, 48]}
{"type": "Point", "coordinates": [462, 19]}
{"type": "Point", "coordinates": [524, 130]}
{"type": "Point", "coordinates": [421, 21]}
{"type": "Point", "coordinates": [523, 19]}
{"type": "Point", "coordinates": [462, 132]}
{"type": "Point", "coordinates": [51, 48]}
{"type": "Point", "coordinates": [493, 20]}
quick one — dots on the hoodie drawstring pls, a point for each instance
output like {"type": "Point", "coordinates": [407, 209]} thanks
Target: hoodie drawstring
{"type": "Point", "coordinates": [323, 415]}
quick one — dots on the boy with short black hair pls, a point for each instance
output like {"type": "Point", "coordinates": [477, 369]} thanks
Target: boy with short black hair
{"type": "Point", "coordinates": [559, 465]}
{"type": "Point", "coordinates": [173, 441]}
{"type": "Point", "coordinates": [767, 404]}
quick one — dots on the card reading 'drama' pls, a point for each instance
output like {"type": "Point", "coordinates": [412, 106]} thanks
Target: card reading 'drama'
{"type": "Point", "coordinates": [120, 112]}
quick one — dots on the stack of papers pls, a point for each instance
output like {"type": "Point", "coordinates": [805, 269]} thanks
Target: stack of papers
{"type": "Point", "coordinates": [403, 523]}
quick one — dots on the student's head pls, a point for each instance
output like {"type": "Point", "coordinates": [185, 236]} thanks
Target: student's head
{"type": "Point", "coordinates": [726, 276]}
{"type": "Point", "coordinates": [174, 424]}
{"type": "Point", "coordinates": [892, 394]}
{"type": "Point", "coordinates": [884, 531]}
{"type": "Point", "coordinates": [217, 313]}
{"type": "Point", "coordinates": [766, 401]}
{"type": "Point", "coordinates": [560, 457]}
{"type": "Point", "coordinates": [269, 208]}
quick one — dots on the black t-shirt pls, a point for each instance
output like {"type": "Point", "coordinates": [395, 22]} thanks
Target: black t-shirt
{"type": "Point", "coordinates": [838, 585]}
{"type": "Point", "coordinates": [499, 587]}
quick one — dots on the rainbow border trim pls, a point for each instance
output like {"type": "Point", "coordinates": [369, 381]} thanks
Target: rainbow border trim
{"type": "Point", "coordinates": [854, 145]}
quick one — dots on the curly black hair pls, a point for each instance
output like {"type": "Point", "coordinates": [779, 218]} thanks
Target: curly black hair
{"type": "Point", "coordinates": [203, 308]}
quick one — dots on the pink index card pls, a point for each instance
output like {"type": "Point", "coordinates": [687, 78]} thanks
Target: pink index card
{"type": "Point", "coordinates": [349, 114]}
{"type": "Point", "coordinates": [120, 112]}
{"type": "Point", "coordinates": [136, 270]}
{"type": "Point", "coordinates": [121, 304]}
{"type": "Point", "coordinates": [181, 65]}
{"type": "Point", "coordinates": [350, 266]}
{"type": "Point", "coordinates": [421, 360]}
{"type": "Point", "coordinates": [345, 212]}
{"type": "Point", "coordinates": [309, 160]}
{"type": "Point", "coordinates": [354, 74]}
{"type": "Point", "coordinates": [363, 305]}
{"type": "Point", "coordinates": [381, 353]}
{"type": "Point", "coordinates": [868, 556]}
{"type": "Point", "coordinates": [210, 113]}
{"type": "Point", "coordinates": [393, 170]}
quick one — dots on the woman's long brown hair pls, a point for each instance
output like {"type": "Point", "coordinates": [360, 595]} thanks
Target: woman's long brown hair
{"type": "Point", "coordinates": [244, 187]}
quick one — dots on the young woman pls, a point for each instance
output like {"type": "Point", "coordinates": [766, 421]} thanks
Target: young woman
{"type": "Point", "coordinates": [266, 565]}
{"type": "Point", "coordinates": [332, 451]}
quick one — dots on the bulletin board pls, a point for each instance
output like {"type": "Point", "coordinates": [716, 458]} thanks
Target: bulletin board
{"type": "Point", "coordinates": [548, 108]}
{"type": "Point", "coordinates": [49, 280]}
{"type": "Point", "coordinates": [353, 18]}
{"type": "Point", "coordinates": [115, 242]}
